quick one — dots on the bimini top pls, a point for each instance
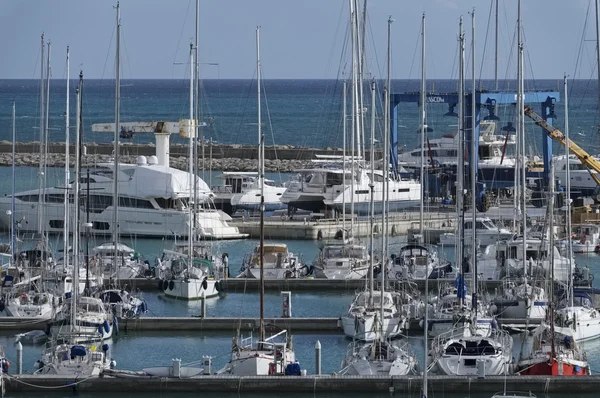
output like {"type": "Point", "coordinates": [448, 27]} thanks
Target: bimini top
{"type": "Point", "coordinates": [110, 248]}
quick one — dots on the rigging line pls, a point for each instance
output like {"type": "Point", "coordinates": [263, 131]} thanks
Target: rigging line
{"type": "Point", "coordinates": [333, 106]}
{"type": "Point", "coordinates": [487, 31]}
{"type": "Point", "coordinates": [112, 36]}
{"type": "Point", "coordinates": [242, 112]}
{"type": "Point", "coordinates": [417, 42]}
{"type": "Point", "coordinates": [454, 68]}
{"type": "Point", "coordinates": [269, 119]}
{"type": "Point", "coordinates": [125, 52]}
{"type": "Point", "coordinates": [187, 11]}
{"type": "Point", "coordinates": [509, 66]}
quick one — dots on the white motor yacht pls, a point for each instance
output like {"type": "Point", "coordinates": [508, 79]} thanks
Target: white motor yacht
{"type": "Point", "coordinates": [249, 197]}
{"type": "Point", "coordinates": [487, 233]}
{"type": "Point", "coordinates": [578, 319]}
{"type": "Point", "coordinates": [496, 165]}
{"type": "Point", "coordinates": [153, 201]}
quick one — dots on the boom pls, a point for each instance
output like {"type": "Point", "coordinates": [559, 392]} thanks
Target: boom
{"type": "Point", "coordinates": [585, 158]}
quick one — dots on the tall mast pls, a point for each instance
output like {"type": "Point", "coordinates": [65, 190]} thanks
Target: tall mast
{"type": "Point", "coordinates": [75, 288]}
{"type": "Point", "coordinates": [460, 170]}
{"type": "Point", "coordinates": [473, 165]}
{"type": "Point", "coordinates": [521, 129]}
{"type": "Point", "coordinates": [67, 174]}
{"type": "Point", "coordinates": [116, 141]}
{"type": "Point", "coordinates": [360, 77]}
{"type": "Point", "coordinates": [46, 125]}
{"type": "Point", "coordinates": [261, 179]}
{"type": "Point", "coordinates": [568, 212]}
{"type": "Point", "coordinates": [423, 85]}
{"type": "Point", "coordinates": [355, 119]}
{"type": "Point", "coordinates": [12, 204]}
{"type": "Point", "coordinates": [192, 175]}
{"type": "Point", "coordinates": [386, 163]}
{"type": "Point", "coordinates": [41, 167]}
{"type": "Point", "coordinates": [551, 222]}
{"type": "Point", "coordinates": [372, 188]}
{"type": "Point", "coordinates": [344, 133]}
{"type": "Point", "coordinates": [196, 117]}
{"type": "Point", "coordinates": [496, 50]}
{"type": "Point", "coordinates": [598, 47]}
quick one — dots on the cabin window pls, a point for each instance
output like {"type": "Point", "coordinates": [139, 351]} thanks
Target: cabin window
{"type": "Point", "coordinates": [99, 203]}
{"type": "Point", "coordinates": [57, 223]}
{"type": "Point", "coordinates": [100, 226]}
{"type": "Point", "coordinates": [135, 203]}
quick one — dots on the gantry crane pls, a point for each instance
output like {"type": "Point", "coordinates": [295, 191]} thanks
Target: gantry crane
{"type": "Point", "coordinates": [592, 165]}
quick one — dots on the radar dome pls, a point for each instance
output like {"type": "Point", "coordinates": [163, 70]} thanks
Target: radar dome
{"type": "Point", "coordinates": [141, 161]}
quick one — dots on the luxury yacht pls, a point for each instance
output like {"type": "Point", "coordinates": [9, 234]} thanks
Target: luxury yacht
{"type": "Point", "coordinates": [153, 202]}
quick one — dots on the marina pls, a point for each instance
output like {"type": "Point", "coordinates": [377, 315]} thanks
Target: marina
{"type": "Point", "coordinates": [357, 236]}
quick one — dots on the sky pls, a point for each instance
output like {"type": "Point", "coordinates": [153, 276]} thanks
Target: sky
{"type": "Point", "coordinates": [300, 39]}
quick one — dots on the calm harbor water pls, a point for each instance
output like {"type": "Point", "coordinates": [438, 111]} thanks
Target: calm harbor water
{"type": "Point", "coordinates": [301, 112]}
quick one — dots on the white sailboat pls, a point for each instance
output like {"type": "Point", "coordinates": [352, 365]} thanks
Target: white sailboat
{"type": "Point", "coordinates": [84, 320]}
{"type": "Point", "coordinates": [267, 356]}
{"type": "Point", "coordinates": [188, 277]}
{"type": "Point", "coordinates": [463, 350]}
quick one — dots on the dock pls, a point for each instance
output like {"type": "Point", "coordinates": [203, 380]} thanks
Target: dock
{"type": "Point", "coordinates": [112, 381]}
{"type": "Point", "coordinates": [316, 227]}
{"type": "Point", "coordinates": [234, 285]}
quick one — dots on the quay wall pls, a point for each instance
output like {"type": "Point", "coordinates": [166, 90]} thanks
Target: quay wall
{"type": "Point", "coordinates": [314, 384]}
{"type": "Point", "coordinates": [217, 156]}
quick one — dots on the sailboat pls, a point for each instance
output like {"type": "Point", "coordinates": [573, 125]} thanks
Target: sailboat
{"type": "Point", "coordinates": [463, 350]}
{"type": "Point", "coordinates": [272, 355]}
{"type": "Point", "coordinates": [70, 354]}
{"type": "Point", "coordinates": [380, 357]}
{"type": "Point", "coordinates": [553, 353]}
{"type": "Point", "coordinates": [579, 319]}
{"type": "Point", "coordinates": [525, 299]}
{"type": "Point", "coordinates": [187, 270]}
{"type": "Point", "coordinates": [374, 314]}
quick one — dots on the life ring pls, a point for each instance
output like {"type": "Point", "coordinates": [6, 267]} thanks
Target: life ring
{"type": "Point", "coordinates": [320, 235]}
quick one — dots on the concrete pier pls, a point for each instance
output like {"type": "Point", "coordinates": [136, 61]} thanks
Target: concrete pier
{"type": "Point", "coordinates": [223, 324]}
{"type": "Point", "coordinates": [234, 285]}
{"type": "Point", "coordinates": [314, 228]}
{"type": "Point", "coordinates": [113, 381]}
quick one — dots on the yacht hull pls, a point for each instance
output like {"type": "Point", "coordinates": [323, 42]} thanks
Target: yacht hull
{"type": "Point", "coordinates": [190, 289]}
{"type": "Point", "coordinates": [542, 366]}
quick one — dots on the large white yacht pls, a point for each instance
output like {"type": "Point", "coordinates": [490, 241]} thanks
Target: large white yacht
{"type": "Point", "coordinates": [582, 182]}
{"type": "Point", "coordinates": [492, 166]}
{"type": "Point", "coordinates": [153, 201]}
{"type": "Point", "coordinates": [317, 188]}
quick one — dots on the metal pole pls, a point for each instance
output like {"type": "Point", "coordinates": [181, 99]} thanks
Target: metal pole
{"type": "Point", "coordinates": [496, 51]}
{"type": "Point", "coordinates": [598, 47]}
{"type": "Point", "coordinates": [423, 99]}
{"type": "Point", "coordinates": [318, 357]}
{"type": "Point", "coordinates": [568, 186]}
{"type": "Point", "coordinates": [13, 248]}
{"type": "Point", "coordinates": [116, 142]}
{"type": "Point", "coordinates": [41, 166]}
{"type": "Point", "coordinates": [460, 169]}
{"type": "Point", "coordinates": [67, 175]}
{"type": "Point", "coordinates": [261, 176]}
{"type": "Point", "coordinates": [474, 139]}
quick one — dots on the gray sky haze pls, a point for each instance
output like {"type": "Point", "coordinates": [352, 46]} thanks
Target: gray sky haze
{"type": "Point", "coordinates": [299, 39]}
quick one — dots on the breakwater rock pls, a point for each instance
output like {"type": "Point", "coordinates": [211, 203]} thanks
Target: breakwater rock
{"type": "Point", "coordinates": [178, 162]}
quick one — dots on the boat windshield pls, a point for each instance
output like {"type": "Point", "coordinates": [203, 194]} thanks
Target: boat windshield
{"type": "Point", "coordinates": [345, 252]}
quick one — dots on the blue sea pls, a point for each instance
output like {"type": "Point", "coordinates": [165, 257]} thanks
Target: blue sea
{"type": "Point", "coordinates": [295, 112]}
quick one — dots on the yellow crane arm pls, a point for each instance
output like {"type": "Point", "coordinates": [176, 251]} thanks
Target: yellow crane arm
{"type": "Point", "coordinates": [585, 158]}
